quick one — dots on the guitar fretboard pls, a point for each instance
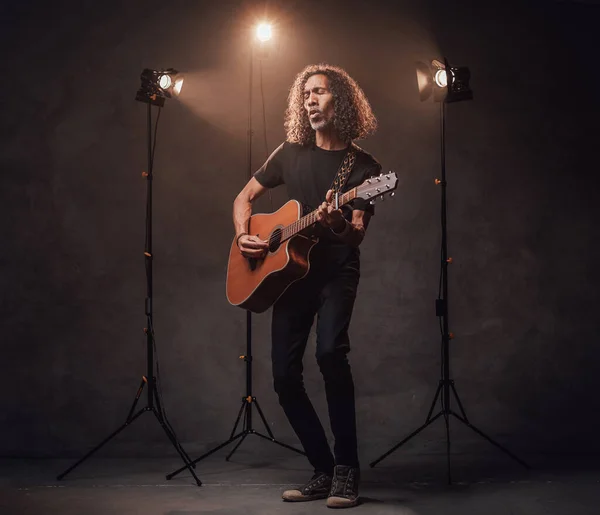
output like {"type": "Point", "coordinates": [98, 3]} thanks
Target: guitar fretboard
{"type": "Point", "coordinates": [311, 218]}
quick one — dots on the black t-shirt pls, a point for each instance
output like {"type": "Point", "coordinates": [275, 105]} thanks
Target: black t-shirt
{"type": "Point", "coordinates": [308, 172]}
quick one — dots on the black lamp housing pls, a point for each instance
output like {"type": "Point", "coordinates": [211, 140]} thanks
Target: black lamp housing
{"type": "Point", "coordinates": [156, 85]}
{"type": "Point", "coordinates": [456, 87]}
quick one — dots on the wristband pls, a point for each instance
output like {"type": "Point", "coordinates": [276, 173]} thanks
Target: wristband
{"type": "Point", "coordinates": [237, 240]}
{"type": "Point", "coordinates": [345, 231]}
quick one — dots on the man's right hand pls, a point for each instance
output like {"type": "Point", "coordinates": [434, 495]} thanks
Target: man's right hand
{"type": "Point", "coordinates": [252, 246]}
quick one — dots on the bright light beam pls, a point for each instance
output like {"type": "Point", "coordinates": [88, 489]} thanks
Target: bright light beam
{"type": "Point", "coordinates": [264, 32]}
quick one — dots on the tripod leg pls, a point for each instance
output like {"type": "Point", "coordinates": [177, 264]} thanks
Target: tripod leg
{"type": "Point", "coordinates": [481, 433]}
{"type": "Point", "coordinates": [447, 421]}
{"type": "Point", "coordinates": [177, 445]}
{"type": "Point", "coordinates": [237, 420]}
{"type": "Point", "coordinates": [205, 455]}
{"type": "Point", "coordinates": [246, 424]}
{"type": "Point", "coordinates": [237, 445]}
{"type": "Point", "coordinates": [137, 398]}
{"type": "Point", "coordinates": [102, 443]}
{"type": "Point", "coordinates": [280, 443]}
{"type": "Point", "coordinates": [435, 398]}
{"type": "Point", "coordinates": [414, 433]}
{"type": "Point", "coordinates": [163, 421]}
{"type": "Point", "coordinates": [246, 429]}
{"type": "Point", "coordinates": [462, 410]}
{"type": "Point", "coordinates": [262, 416]}
{"type": "Point", "coordinates": [271, 437]}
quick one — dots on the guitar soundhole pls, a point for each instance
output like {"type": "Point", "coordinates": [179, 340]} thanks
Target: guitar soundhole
{"type": "Point", "coordinates": [275, 240]}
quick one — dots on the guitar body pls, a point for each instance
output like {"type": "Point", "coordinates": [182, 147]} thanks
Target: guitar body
{"type": "Point", "coordinates": [255, 284]}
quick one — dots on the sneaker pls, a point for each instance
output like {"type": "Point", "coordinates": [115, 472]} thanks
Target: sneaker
{"type": "Point", "coordinates": [317, 488]}
{"type": "Point", "coordinates": [344, 487]}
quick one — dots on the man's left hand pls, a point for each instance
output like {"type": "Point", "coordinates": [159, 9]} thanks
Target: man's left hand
{"type": "Point", "coordinates": [330, 217]}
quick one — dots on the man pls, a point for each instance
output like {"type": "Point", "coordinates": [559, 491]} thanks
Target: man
{"type": "Point", "coordinates": [326, 111]}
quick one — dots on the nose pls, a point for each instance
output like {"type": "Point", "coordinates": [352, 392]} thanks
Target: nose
{"type": "Point", "coordinates": [312, 99]}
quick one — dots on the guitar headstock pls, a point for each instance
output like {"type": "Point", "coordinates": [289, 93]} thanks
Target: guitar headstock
{"type": "Point", "coordinates": [377, 186]}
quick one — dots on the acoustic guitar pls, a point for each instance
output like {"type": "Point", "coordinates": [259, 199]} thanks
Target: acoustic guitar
{"type": "Point", "coordinates": [255, 284]}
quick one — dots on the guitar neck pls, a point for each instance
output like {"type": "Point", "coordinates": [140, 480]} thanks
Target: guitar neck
{"type": "Point", "coordinates": [311, 218]}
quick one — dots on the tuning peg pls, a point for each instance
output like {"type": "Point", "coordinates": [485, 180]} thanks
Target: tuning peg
{"type": "Point", "coordinates": [392, 193]}
{"type": "Point", "coordinates": [372, 202]}
{"type": "Point", "coordinates": [382, 198]}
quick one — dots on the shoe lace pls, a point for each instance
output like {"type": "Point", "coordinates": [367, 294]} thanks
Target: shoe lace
{"type": "Point", "coordinates": [318, 479]}
{"type": "Point", "coordinates": [350, 481]}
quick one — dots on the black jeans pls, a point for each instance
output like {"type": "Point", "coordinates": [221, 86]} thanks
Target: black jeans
{"type": "Point", "coordinates": [329, 290]}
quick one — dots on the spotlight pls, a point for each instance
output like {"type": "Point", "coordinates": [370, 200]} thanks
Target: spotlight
{"type": "Point", "coordinates": [454, 83]}
{"type": "Point", "coordinates": [158, 85]}
{"type": "Point", "coordinates": [171, 82]}
{"type": "Point", "coordinates": [445, 82]}
{"type": "Point", "coordinates": [264, 32]}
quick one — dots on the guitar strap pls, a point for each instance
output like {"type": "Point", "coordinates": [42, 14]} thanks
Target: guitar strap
{"type": "Point", "coordinates": [344, 171]}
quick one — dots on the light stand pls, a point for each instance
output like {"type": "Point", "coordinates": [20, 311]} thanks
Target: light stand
{"type": "Point", "coordinates": [249, 400]}
{"type": "Point", "coordinates": [448, 85]}
{"type": "Point", "coordinates": [152, 94]}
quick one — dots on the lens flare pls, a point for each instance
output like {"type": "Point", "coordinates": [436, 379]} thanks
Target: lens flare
{"type": "Point", "coordinates": [264, 32]}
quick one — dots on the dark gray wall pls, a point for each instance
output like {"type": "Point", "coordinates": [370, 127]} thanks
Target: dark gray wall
{"type": "Point", "coordinates": [523, 209]}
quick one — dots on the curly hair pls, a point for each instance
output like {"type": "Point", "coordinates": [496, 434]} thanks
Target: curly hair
{"type": "Point", "coordinates": [353, 117]}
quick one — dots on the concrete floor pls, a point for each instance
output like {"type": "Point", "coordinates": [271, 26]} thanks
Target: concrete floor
{"type": "Point", "coordinates": [251, 483]}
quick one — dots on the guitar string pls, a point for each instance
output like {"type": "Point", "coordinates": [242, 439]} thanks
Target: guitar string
{"type": "Point", "coordinates": [302, 223]}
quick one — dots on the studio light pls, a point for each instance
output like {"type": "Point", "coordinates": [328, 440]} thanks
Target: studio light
{"type": "Point", "coordinates": [158, 85]}
{"type": "Point", "coordinates": [264, 32]}
{"type": "Point", "coordinates": [170, 84]}
{"type": "Point", "coordinates": [446, 83]}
